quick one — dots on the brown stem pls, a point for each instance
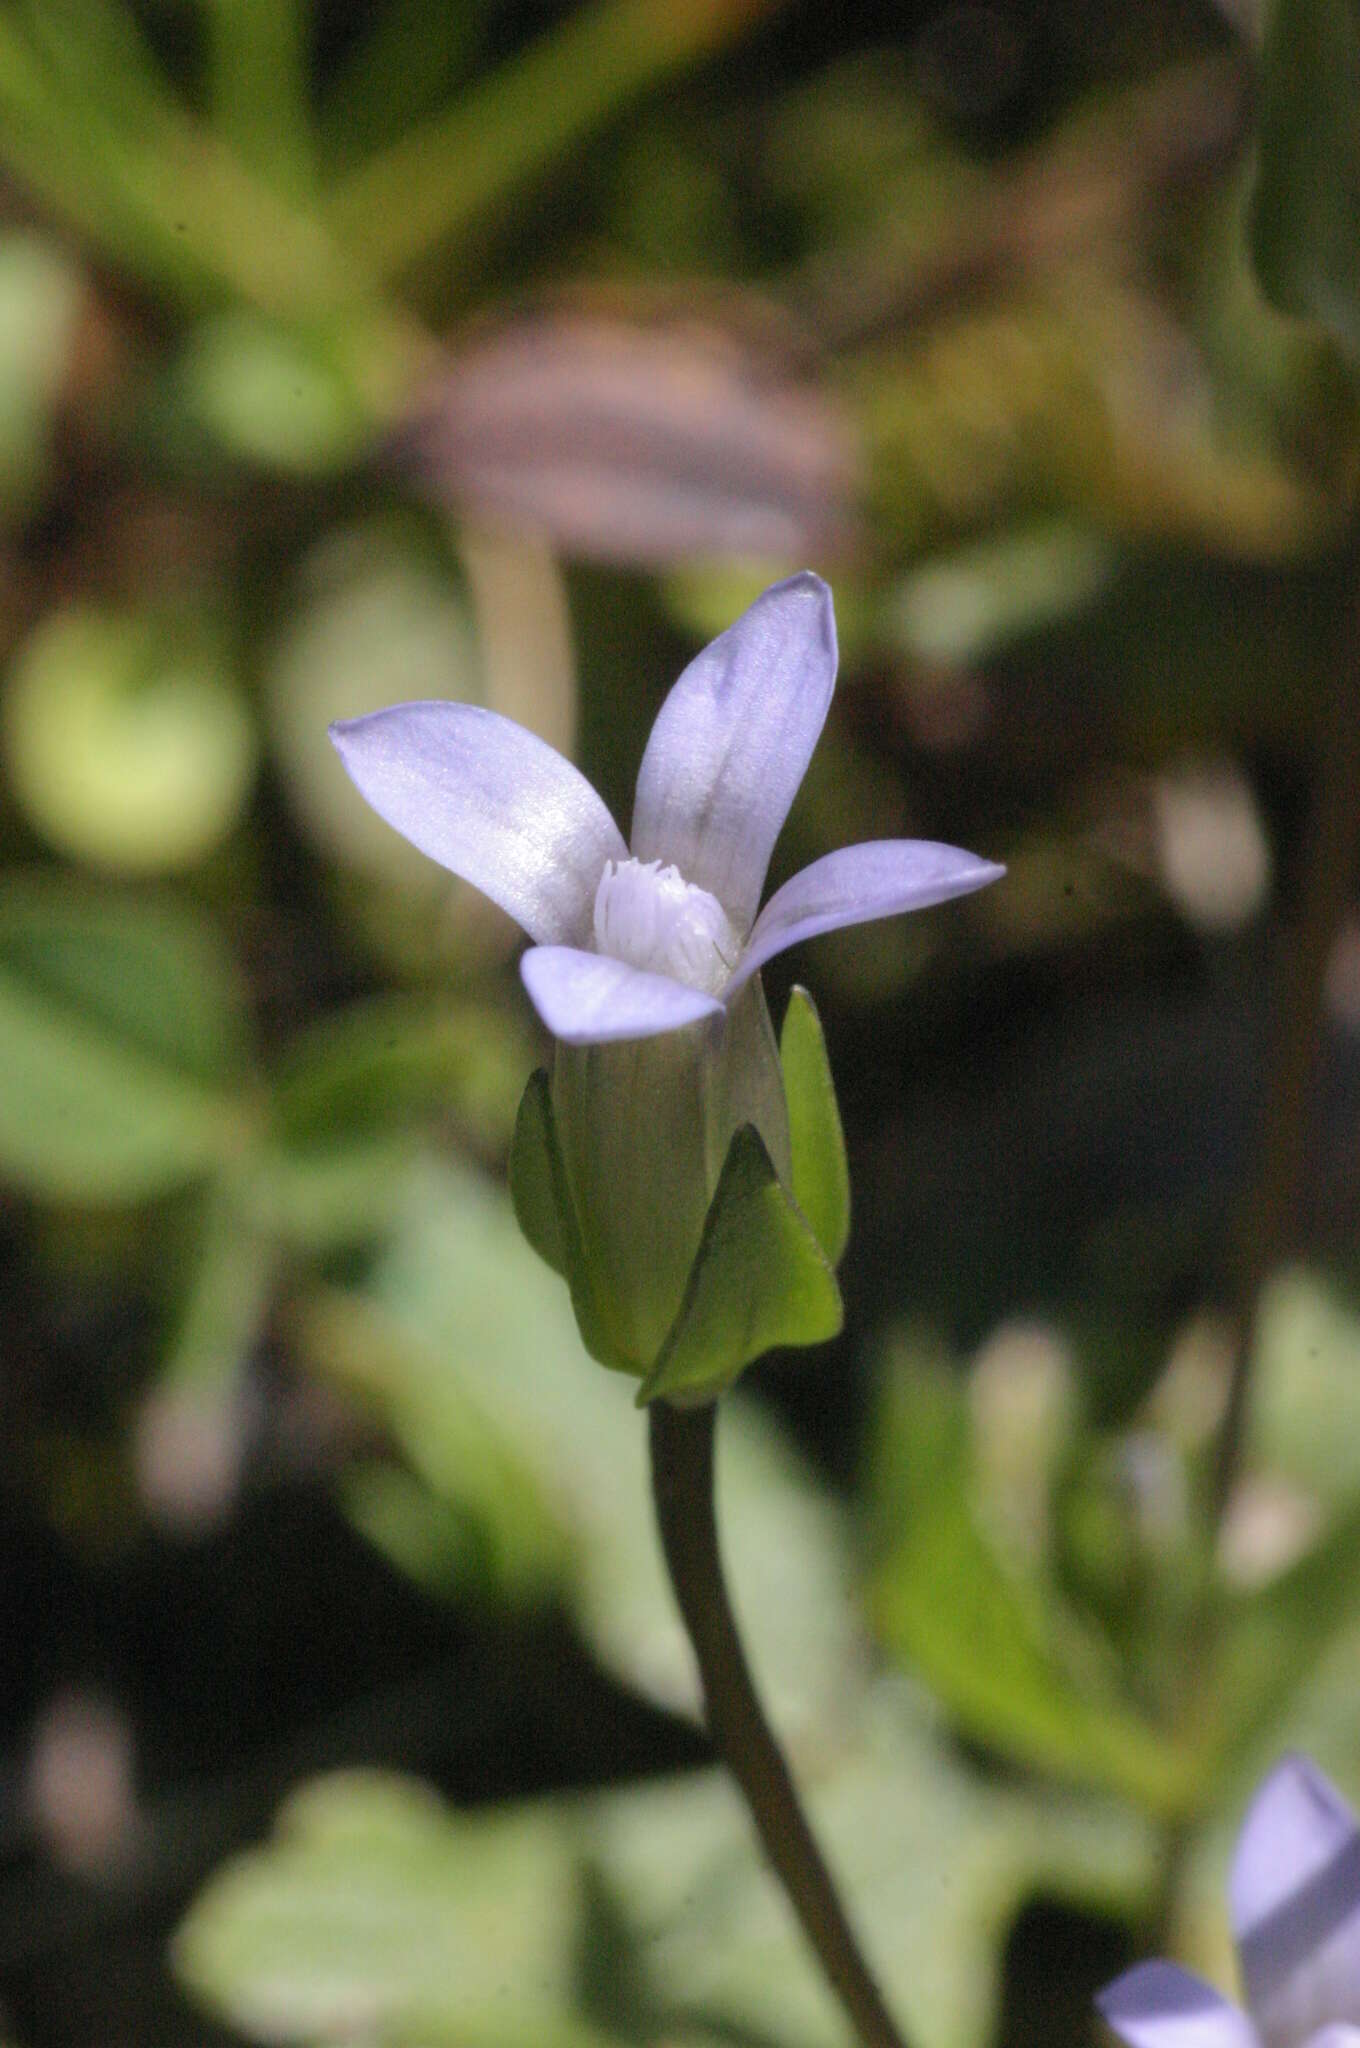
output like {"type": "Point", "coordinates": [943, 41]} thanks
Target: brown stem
{"type": "Point", "coordinates": [1331, 862]}
{"type": "Point", "coordinates": [1269, 1224]}
{"type": "Point", "coordinates": [682, 1486]}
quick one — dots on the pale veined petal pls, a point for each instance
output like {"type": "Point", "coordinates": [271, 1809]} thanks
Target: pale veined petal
{"type": "Point", "coordinates": [732, 743]}
{"type": "Point", "coordinates": [880, 878]}
{"type": "Point", "coordinates": [589, 998]}
{"type": "Point", "coordinates": [493, 803]}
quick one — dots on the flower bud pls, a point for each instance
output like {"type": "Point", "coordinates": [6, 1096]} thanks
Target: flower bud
{"type": "Point", "coordinates": [670, 1179]}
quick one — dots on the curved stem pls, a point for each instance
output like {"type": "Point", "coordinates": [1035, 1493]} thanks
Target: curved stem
{"type": "Point", "coordinates": [682, 1486]}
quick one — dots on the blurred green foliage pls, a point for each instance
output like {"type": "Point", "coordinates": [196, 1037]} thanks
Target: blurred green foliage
{"type": "Point", "coordinates": [351, 353]}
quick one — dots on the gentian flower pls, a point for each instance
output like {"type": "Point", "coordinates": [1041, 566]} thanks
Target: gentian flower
{"type": "Point", "coordinates": [645, 959]}
{"type": "Point", "coordinates": [1294, 1895]}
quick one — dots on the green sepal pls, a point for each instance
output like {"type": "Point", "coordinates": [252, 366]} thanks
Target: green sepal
{"type": "Point", "coordinates": [532, 1175]}
{"type": "Point", "coordinates": [544, 1212]}
{"type": "Point", "coordinates": [760, 1279]}
{"type": "Point", "coordinates": [821, 1177]}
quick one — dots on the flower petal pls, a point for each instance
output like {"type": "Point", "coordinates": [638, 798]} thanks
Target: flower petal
{"type": "Point", "coordinates": [732, 742]}
{"type": "Point", "coordinates": [1159, 2005]}
{"type": "Point", "coordinates": [880, 878]}
{"type": "Point", "coordinates": [494, 803]}
{"type": "Point", "coordinates": [1295, 1898]}
{"type": "Point", "coordinates": [588, 998]}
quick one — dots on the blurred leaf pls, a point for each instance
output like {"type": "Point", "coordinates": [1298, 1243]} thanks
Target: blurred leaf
{"type": "Point", "coordinates": [375, 1908]}
{"type": "Point", "coordinates": [970, 604]}
{"type": "Point", "coordinates": [223, 1305]}
{"type": "Point", "coordinates": [1305, 226]}
{"type": "Point", "coordinates": [1272, 1642]}
{"type": "Point", "coordinates": [821, 1176]}
{"type": "Point", "coordinates": [473, 1342]}
{"type": "Point", "coordinates": [1014, 1668]}
{"type": "Point", "coordinates": [41, 299]}
{"type": "Point", "coordinates": [1084, 402]}
{"type": "Point", "coordinates": [1303, 1468]}
{"type": "Point", "coordinates": [355, 1094]}
{"type": "Point", "coordinates": [189, 1437]}
{"type": "Point", "coordinates": [273, 395]}
{"type": "Point", "coordinates": [1305, 1414]}
{"type": "Point", "coordinates": [260, 87]}
{"type": "Point", "coordinates": [933, 1859]}
{"type": "Point", "coordinates": [325, 1199]}
{"type": "Point", "coordinates": [1321, 1719]}
{"type": "Point", "coordinates": [438, 1546]}
{"type": "Point", "coordinates": [400, 69]}
{"type": "Point", "coordinates": [373, 1901]}
{"type": "Point", "coordinates": [397, 1058]}
{"type": "Point", "coordinates": [122, 1045]}
{"type": "Point", "coordinates": [484, 1517]}
{"type": "Point", "coordinates": [431, 188]}
{"type": "Point", "coordinates": [856, 148]}
{"type": "Point", "coordinates": [128, 739]}
{"type": "Point", "coordinates": [96, 129]}
{"type": "Point", "coordinates": [760, 1280]}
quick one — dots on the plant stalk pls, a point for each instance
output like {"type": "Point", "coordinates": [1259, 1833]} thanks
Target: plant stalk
{"type": "Point", "coordinates": [682, 1442]}
{"type": "Point", "coordinates": [1331, 863]}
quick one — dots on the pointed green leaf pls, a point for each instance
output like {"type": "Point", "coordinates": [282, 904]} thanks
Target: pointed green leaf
{"type": "Point", "coordinates": [1014, 1667]}
{"type": "Point", "coordinates": [759, 1279]}
{"type": "Point", "coordinates": [531, 1174]}
{"type": "Point", "coordinates": [543, 1210]}
{"type": "Point", "coordinates": [1305, 219]}
{"type": "Point", "coordinates": [821, 1177]}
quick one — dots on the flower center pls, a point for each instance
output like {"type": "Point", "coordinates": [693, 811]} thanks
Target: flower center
{"type": "Point", "coordinates": [653, 918]}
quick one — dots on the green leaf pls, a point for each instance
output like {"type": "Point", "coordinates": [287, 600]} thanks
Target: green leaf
{"type": "Point", "coordinates": [759, 1279]}
{"type": "Point", "coordinates": [273, 395]}
{"type": "Point", "coordinates": [533, 1176]}
{"type": "Point", "coordinates": [1305, 223]}
{"type": "Point", "coordinates": [934, 1857]}
{"type": "Point", "coordinates": [821, 1177]}
{"type": "Point", "coordinates": [223, 1302]}
{"type": "Point", "coordinates": [483, 1517]}
{"type": "Point", "coordinates": [417, 1530]}
{"type": "Point", "coordinates": [122, 1048]}
{"type": "Point", "coordinates": [1303, 1467]}
{"type": "Point", "coordinates": [1305, 1404]}
{"type": "Point", "coordinates": [372, 1899]}
{"type": "Point", "coordinates": [397, 1058]}
{"type": "Point", "coordinates": [329, 1198]}
{"type": "Point", "coordinates": [352, 1098]}
{"type": "Point", "coordinates": [1014, 1667]}
{"type": "Point", "coordinates": [1273, 1641]}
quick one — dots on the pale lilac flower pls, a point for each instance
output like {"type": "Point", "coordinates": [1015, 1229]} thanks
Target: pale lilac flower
{"type": "Point", "coordinates": [1294, 1895]}
{"type": "Point", "coordinates": [631, 943]}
